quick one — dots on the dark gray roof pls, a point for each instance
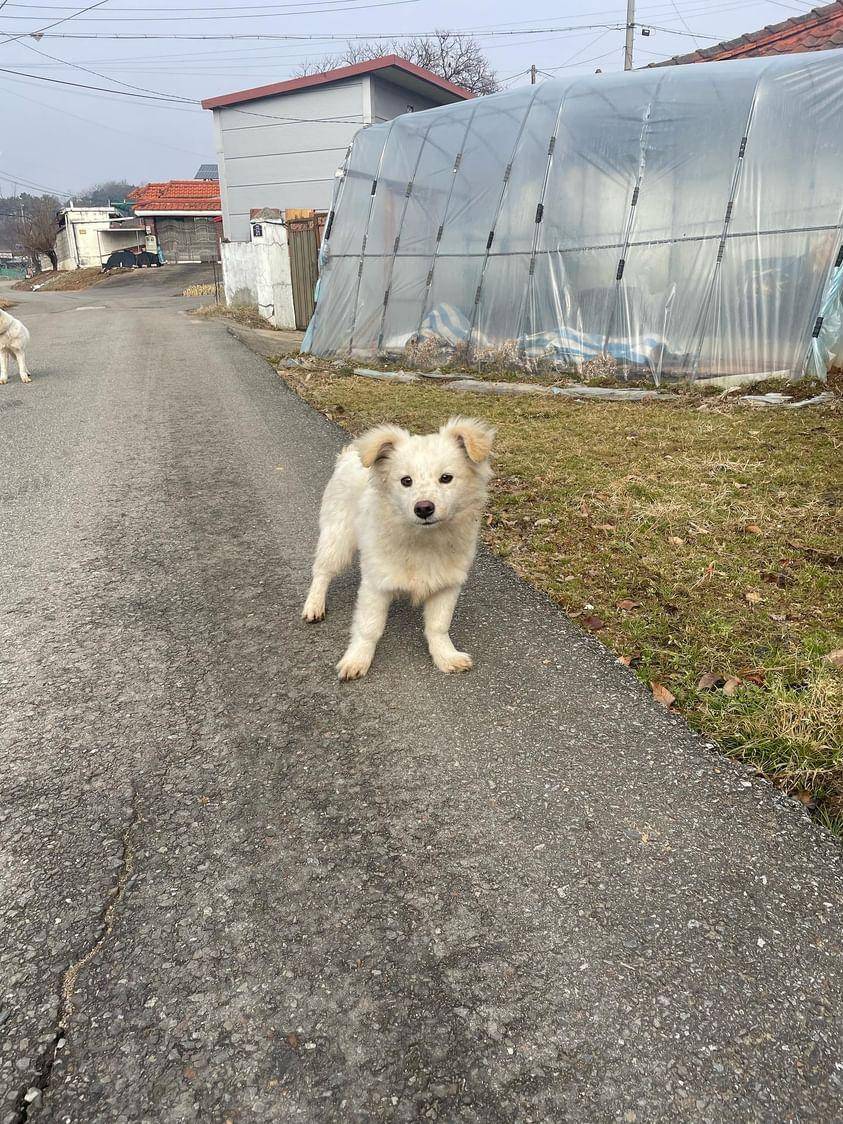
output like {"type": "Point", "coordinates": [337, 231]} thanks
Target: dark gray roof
{"type": "Point", "coordinates": [207, 172]}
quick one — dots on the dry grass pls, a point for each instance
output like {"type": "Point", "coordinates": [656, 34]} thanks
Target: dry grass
{"type": "Point", "coordinates": [246, 314]}
{"type": "Point", "coordinates": [205, 289]}
{"type": "Point", "coordinates": [693, 536]}
{"type": "Point", "coordinates": [61, 280]}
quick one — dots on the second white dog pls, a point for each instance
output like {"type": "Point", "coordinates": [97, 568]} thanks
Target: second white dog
{"type": "Point", "coordinates": [411, 506]}
{"type": "Point", "coordinates": [14, 338]}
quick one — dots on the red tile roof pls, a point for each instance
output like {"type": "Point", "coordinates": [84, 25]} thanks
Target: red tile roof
{"type": "Point", "coordinates": [177, 195]}
{"type": "Point", "coordinates": [821, 29]}
{"type": "Point", "coordinates": [398, 70]}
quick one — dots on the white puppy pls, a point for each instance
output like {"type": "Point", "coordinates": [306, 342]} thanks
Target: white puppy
{"type": "Point", "coordinates": [14, 338]}
{"type": "Point", "coordinates": [411, 506]}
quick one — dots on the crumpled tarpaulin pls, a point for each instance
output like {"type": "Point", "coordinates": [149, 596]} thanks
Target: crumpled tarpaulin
{"type": "Point", "coordinates": [684, 220]}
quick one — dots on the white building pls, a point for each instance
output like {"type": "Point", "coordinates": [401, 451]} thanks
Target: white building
{"type": "Point", "coordinates": [280, 146]}
{"type": "Point", "coordinates": [88, 235]}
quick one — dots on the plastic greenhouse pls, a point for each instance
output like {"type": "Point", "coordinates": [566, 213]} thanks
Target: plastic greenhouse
{"type": "Point", "coordinates": [685, 221]}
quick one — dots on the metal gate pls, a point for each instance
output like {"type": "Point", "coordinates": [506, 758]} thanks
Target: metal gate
{"type": "Point", "coordinates": [304, 234]}
{"type": "Point", "coordinates": [187, 238]}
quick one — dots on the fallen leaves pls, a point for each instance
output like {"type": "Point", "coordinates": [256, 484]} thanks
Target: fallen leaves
{"type": "Point", "coordinates": [662, 695]}
{"type": "Point", "coordinates": [676, 541]}
{"type": "Point", "coordinates": [627, 604]}
{"type": "Point", "coordinates": [753, 529]}
{"type": "Point", "coordinates": [592, 622]}
{"type": "Point", "coordinates": [710, 681]}
{"type": "Point", "coordinates": [754, 675]}
{"type": "Point", "coordinates": [835, 658]}
{"type": "Point", "coordinates": [752, 596]}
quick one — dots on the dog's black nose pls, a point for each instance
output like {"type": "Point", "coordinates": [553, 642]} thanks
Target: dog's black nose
{"type": "Point", "coordinates": [424, 509]}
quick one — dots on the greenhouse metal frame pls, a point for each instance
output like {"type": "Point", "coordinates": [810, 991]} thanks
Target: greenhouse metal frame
{"type": "Point", "coordinates": [684, 222]}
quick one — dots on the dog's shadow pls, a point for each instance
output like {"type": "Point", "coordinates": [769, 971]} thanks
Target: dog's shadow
{"type": "Point", "coordinates": [403, 643]}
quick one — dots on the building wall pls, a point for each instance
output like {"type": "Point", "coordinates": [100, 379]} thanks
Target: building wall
{"type": "Point", "coordinates": [77, 244]}
{"type": "Point", "coordinates": [267, 162]}
{"type": "Point", "coordinates": [64, 248]}
{"type": "Point", "coordinates": [389, 100]}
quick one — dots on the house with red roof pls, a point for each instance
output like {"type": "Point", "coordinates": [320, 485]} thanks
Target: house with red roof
{"type": "Point", "coordinates": [182, 218]}
{"type": "Point", "coordinates": [821, 29]}
{"type": "Point", "coordinates": [279, 146]}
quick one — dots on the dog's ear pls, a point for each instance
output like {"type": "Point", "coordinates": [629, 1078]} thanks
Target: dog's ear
{"type": "Point", "coordinates": [473, 436]}
{"type": "Point", "coordinates": [376, 444]}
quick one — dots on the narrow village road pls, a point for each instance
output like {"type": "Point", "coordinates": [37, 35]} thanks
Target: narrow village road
{"type": "Point", "coordinates": [234, 889]}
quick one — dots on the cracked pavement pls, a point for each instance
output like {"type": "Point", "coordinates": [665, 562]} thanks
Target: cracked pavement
{"type": "Point", "coordinates": [525, 894]}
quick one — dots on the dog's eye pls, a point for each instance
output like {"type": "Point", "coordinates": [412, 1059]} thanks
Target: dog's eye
{"type": "Point", "coordinates": [445, 478]}
{"type": "Point", "coordinates": [407, 481]}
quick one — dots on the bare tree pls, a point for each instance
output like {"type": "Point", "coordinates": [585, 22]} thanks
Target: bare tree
{"type": "Point", "coordinates": [459, 58]}
{"type": "Point", "coordinates": [37, 228]}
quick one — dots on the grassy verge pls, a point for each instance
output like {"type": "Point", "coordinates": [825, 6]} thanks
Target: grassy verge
{"type": "Point", "coordinates": [699, 540]}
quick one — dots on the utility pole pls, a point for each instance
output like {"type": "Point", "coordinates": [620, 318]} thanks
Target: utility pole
{"type": "Point", "coordinates": [630, 34]}
{"type": "Point", "coordinates": [533, 75]}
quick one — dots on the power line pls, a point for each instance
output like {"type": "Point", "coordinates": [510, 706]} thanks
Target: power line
{"type": "Point", "coordinates": [684, 22]}
{"type": "Point", "coordinates": [321, 10]}
{"type": "Point", "coordinates": [99, 89]}
{"type": "Point", "coordinates": [96, 73]}
{"type": "Point", "coordinates": [134, 134]}
{"type": "Point", "coordinates": [181, 104]}
{"type": "Point", "coordinates": [55, 23]}
{"type": "Point", "coordinates": [365, 36]}
{"type": "Point", "coordinates": [12, 178]}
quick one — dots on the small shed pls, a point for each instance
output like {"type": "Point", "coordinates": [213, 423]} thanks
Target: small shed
{"type": "Point", "coordinates": [280, 145]}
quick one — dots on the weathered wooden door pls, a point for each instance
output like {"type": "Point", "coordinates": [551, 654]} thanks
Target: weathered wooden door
{"type": "Point", "coordinates": [304, 233]}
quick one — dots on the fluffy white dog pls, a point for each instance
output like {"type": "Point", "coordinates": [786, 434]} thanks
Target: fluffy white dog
{"type": "Point", "coordinates": [411, 506]}
{"type": "Point", "coordinates": [14, 338]}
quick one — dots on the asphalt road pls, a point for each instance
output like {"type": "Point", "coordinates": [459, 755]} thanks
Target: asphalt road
{"type": "Point", "coordinates": [234, 889]}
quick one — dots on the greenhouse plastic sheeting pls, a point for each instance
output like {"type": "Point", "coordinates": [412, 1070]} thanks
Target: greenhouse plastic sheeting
{"type": "Point", "coordinates": [684, 221]}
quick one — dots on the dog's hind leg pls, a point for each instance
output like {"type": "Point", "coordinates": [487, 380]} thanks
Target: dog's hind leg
{"type": "Point", "coordinates": [334, 553]}
{"type": "Point", "coordinates": [4, 366]}
{"type": "Point", "coordinates": [20, 355]}
{"type": "Point", "coordinates": [438, 611]}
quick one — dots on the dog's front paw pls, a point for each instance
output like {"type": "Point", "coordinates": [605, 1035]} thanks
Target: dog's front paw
{"type": "Point", "coordinates": [3, 382]}
{"type": "Point", "coordinates": [454, 662]}
{"type": "Point", "coordinates": [26, 378]}
{"type": "Point", "coordinates": [353, 665]}
{"type": "Point", "coordinates": [313, 611]}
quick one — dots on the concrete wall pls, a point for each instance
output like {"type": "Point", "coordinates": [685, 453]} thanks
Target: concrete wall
{"type": "Point", "coordinates": [258, 273]}
{"type": "Point", "coordinates": [268, 160]}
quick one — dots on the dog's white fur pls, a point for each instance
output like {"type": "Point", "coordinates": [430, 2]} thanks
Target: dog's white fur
{"type": "Point", "coordinates": [367, 508]}
{"type": "Point", "coordinates": [14, 338]}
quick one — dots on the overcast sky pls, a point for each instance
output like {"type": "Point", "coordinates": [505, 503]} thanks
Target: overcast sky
{"type": "Point", "coordinates": [63, 138]}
